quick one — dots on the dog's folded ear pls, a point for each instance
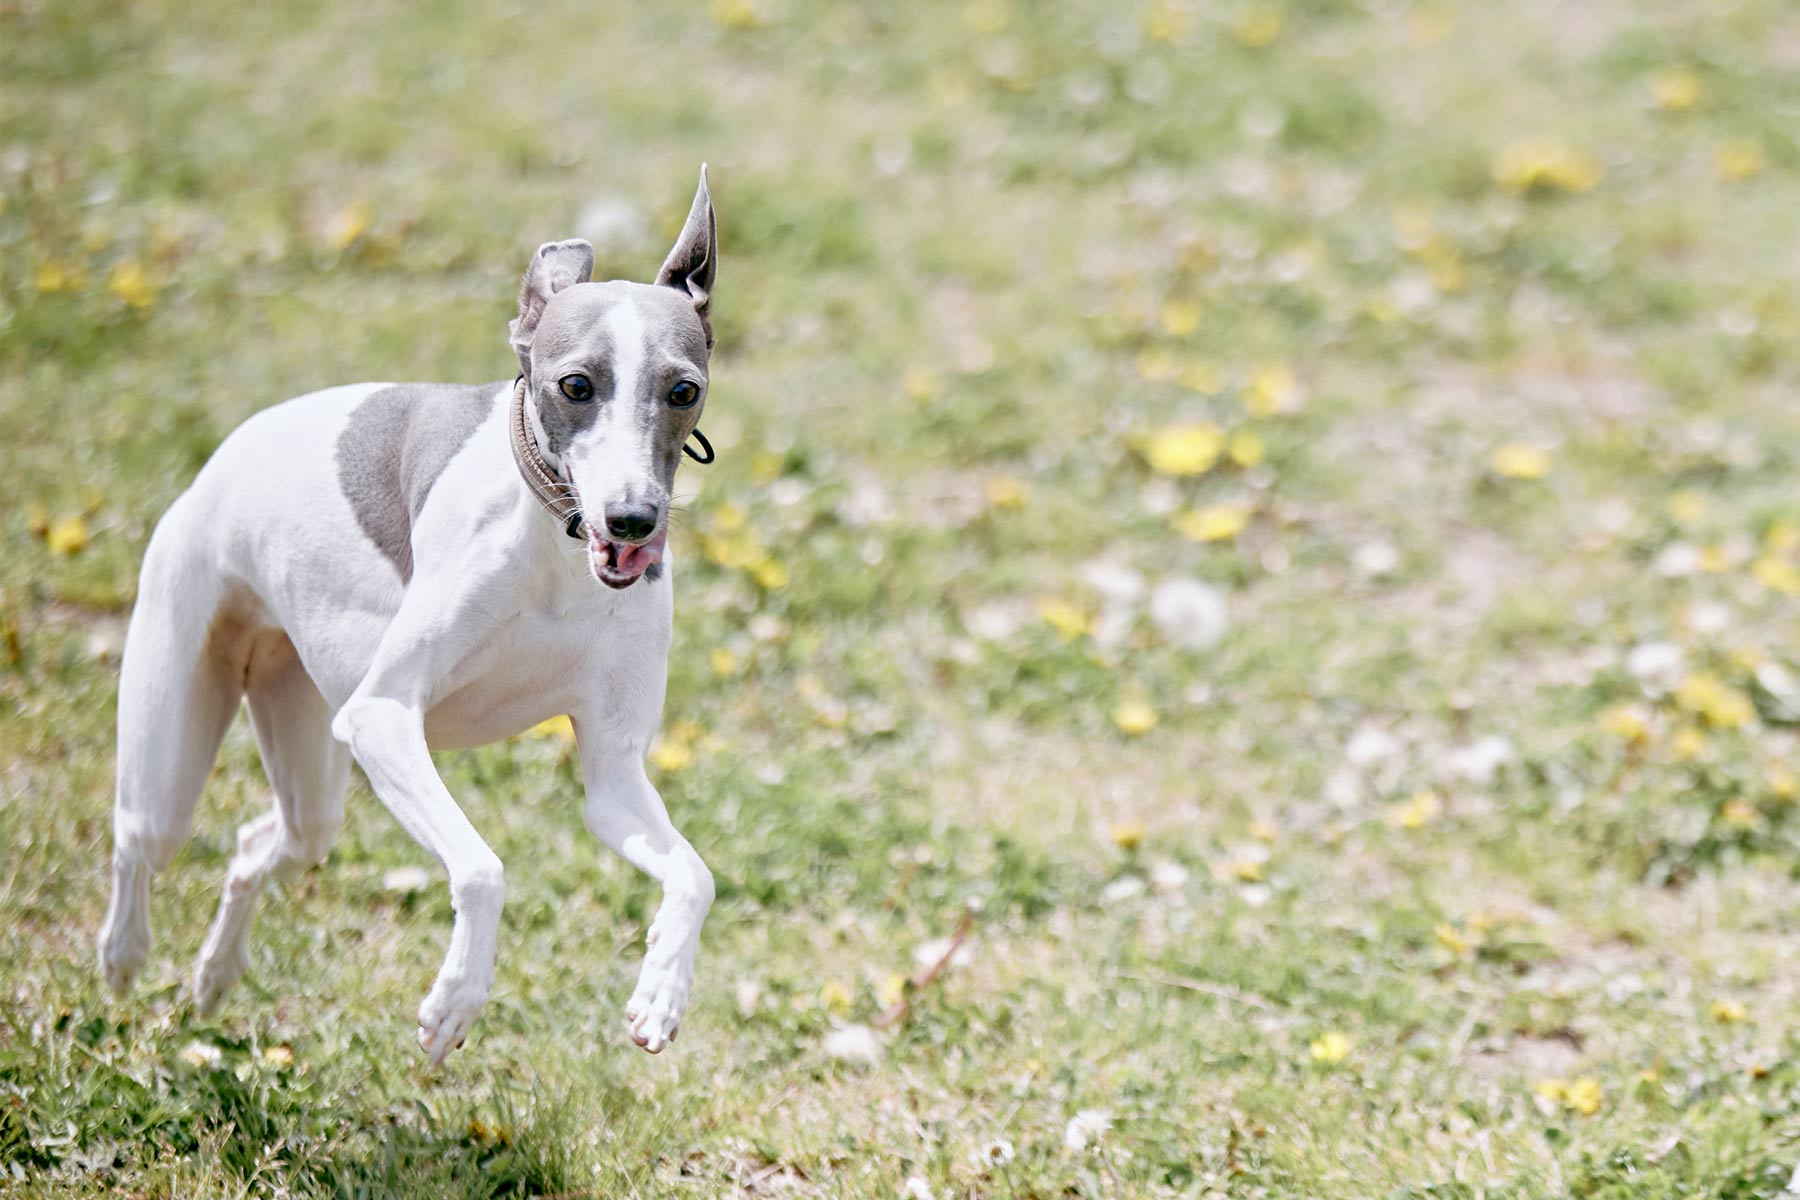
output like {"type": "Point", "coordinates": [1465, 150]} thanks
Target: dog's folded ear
{"type": "Point", "coordinates": [690, 265]}
{"type": "Point", "coordinates": [555, 266]}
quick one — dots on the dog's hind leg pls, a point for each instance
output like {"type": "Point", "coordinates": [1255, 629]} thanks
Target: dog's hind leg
{"type": "Point", "coordinates": [308, 771]}
{"type": "Point", "coordinates": [178, 690]}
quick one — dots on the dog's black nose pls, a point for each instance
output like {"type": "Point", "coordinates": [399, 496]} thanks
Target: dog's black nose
{"type": "Point", "coordinates": [631, 523]}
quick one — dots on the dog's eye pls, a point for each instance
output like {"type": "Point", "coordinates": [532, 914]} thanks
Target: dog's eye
{"type": "Point", "coordinates": [578, 388]}
{"type": "Point", "coordinates": [683, 394]}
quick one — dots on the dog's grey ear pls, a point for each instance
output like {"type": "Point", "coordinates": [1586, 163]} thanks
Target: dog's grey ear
{"type": "Point", "coordinates": [555, 266]}
{"type": "Point", "coordinates": [690, 265]}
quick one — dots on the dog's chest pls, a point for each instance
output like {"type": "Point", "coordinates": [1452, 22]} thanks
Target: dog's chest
{"type": "Point", "coordinates": [539, 664]}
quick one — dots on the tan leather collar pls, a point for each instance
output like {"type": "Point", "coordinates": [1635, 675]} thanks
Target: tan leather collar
{"type": "Point", "coordinates": [557, 497]}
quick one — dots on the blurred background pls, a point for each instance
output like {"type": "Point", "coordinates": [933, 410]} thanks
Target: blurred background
{"type": "Point", "coordinates": [1242, 640]}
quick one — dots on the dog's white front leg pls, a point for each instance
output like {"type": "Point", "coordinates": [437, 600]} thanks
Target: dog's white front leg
{"type": "Point", "coordinates": [624, 811]}
{"type": "Point", "coordinates": [387, 736]}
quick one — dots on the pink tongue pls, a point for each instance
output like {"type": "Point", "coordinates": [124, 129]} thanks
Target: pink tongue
{"type": "Point", "coordinates": [632, 560]}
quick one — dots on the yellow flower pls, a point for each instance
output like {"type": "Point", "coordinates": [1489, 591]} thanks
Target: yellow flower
{"type": "Point", "coordinates": [1156, 364]}
{"type": "Point", "coordinates": [67, 537]}
{"type": "Point", "coordinates": [1184, 449]}
{"type": "Point", "coordinates": [836, 997]}
{"type": "Point", "coordinates": [1128, 835]}
{"type": "Point", "coordinates": [670, 755]}
{"type": "Point", "coordinates": [890, 990]}
{"type": "Point", "coordinates": [556, 727]}
{"type": "Point", "coordinates": [131, 285]}
{"type": "Point", "coordinates": [1777, 575]}
{"type": "Point", "coordinates": [1685, 506]}
{"type": "Point", "coordinates": [1134, 718]}
{"type": "Point", "coordinates": [1715, 703]}
{"type": "Point", "coordinates": [921, 383]}
{"type": "Point", "coordinates": [1688, 744]}
{"type": "Point", "coordinates": [1583, 1095]}
{"type": "Point", "coordinates": [1740, 814]}
{"type": "Point", "coordinates": [1520, 460]}
{"type": "Point", "coordinates": [1179, 316]}
{"type": "Point", "coordinates": [1729, 1012]}
{"type": "Point", "coordinates": [1216, 523]}
{"type": "Point", "coordinates": [769, 573]}
{"type": "Point", "coordinates": [1784, 785]}
{"type": "Point", "coordinates": [1546, 164]}
{"type": "Point", "coordinates": [1007, 491]}
{"type": "Point", "coordinates": [1069, 621]}
{"type": "Point", "coordinates": [1675, 88]}
{"type": "Point", "coordinates": [766, 467]}
{"type": "Point", "coordinates": [1168, 22]}
{"type": "Point", "coordinates": [1782, 536]}
{"type": "Point", "coordinates": [1415, 812]}
{"type": "Point", "coordinates": [729, 518]}
{"type": "Point", "coordinates": [1713, 560]}
{"type": "Point", "coordinates": [1739, 159]}
{"type": "Point", "coordinates": [1272, 390]}
{"type": "Point", "coordinates": [278, 1056]}
{"type": "Point", "coordinates": [739, 549]}
{"type": "Point", "coordinates": [1245, 870]}
{"type": "Point", "coordinates": [1626, 722]}
{"type": "Point", "coordinates": [724, 662]}
{"type": "Point", "coordinates": [736, 14]}
{"type": "Point", "coordinates": [1202, 376]}
{"type": "Point", "coordinates": [1451, 939]}
{"type": "Point", "coordinates": [1331, 1048]}
{"type": "Point", "coordinates": [1246, 447]}
{"type": "Point", "coordinates": [347, 224]}
{"type": "Point", "coordinates": [1257, 25]}
{"type": "Point", "coordinates": [55, 275]}
{"type": "Point", "coordinates": [1264, 831]}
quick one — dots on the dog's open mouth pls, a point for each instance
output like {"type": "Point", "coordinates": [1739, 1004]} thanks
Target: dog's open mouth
{"type": "Point", "coordinates": [620, 564]}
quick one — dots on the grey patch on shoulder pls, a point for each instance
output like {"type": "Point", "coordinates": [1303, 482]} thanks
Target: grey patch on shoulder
{"type": "Point", "coordinates": [396, 444]}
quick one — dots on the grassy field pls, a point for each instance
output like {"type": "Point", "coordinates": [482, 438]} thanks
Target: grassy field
{"type": "Point", "coordinates": [1281, 520]}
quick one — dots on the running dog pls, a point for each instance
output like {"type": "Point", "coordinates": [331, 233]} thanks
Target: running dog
{"type": "Point", "coordinates": [383, 569]}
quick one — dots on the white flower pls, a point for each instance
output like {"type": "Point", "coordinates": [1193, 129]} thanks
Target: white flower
{"type": "Point", "coordinates": [1168, 876]}
{"type": "Point", "coordinates": [915, 1188]}
{"type": "Point", "coordinates": [853, 1044]}
{"type": "Point", "coordinates": [1371, 744]}
{"type": "Point", "coordinates": [1657, 666]}
{"type": "Point", "coordinates": [1189, 613]}
{"type": "Point", "coordinates": [406, 880]}
{"type": "Point", "coordinates": [201, 1054]}
{"type": "Point", "coordinates": [1085, 1128]}
{"type": "Point", "coordinates": [749, 996]}
{"type": "Point", "coordinates": [1125, 887]}
{"type": "Point", "coordinates": [996, 1153]}
{"type": "Point", "coordinates": [1373, 560]}
{"type": "Point", "coordinates": [1480, 762]}
{"type": "Point", "coordinates": [931, 953]}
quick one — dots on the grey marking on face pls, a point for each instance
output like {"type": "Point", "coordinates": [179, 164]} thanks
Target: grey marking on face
{"type": "Point", "coordinates": [397, 442]}
{"type": "Point", "coordinates": [576, 334]}
{"type": "Point", "coordinates": [572, 339]}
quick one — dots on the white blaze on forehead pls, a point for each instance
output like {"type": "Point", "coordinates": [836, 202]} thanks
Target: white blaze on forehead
{"type": "Point", "coordinates": [611, 459]}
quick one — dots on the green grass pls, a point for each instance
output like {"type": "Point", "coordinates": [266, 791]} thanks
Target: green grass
{"type": "Point", "coordinates": [975, 259]}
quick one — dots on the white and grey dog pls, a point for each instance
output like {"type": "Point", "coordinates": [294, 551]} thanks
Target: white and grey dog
{"type": "Point", "coordinates": [372, 568]}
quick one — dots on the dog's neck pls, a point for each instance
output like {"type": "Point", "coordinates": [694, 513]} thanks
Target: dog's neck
{"type": "Point", "coordinates": [542, 474]}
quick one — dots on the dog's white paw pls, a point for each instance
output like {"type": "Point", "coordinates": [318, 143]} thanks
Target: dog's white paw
{"type": "Point", "coordinates": [124, 945]}
{"type": "Point", "coordinates": [217, 973]}
{"type": "Point", "coordinates": [653, 1014]}
{"type": "Point", "coordinates": [447, 1015]}
{"type": "Point", "coordinates": [119, 967]}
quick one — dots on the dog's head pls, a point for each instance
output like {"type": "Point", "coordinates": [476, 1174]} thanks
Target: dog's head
{"type": "Point", "coordinates": [615, 374]}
